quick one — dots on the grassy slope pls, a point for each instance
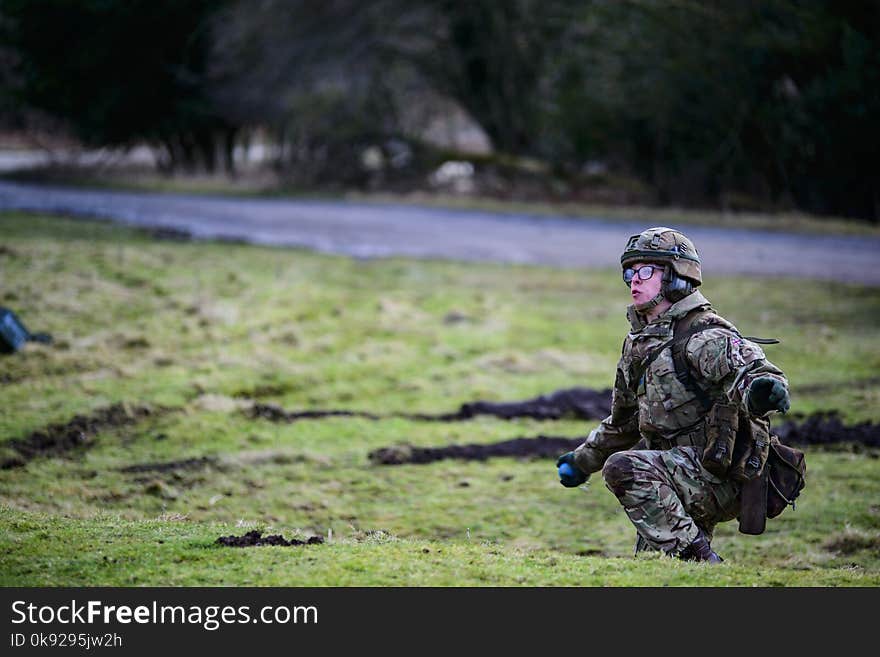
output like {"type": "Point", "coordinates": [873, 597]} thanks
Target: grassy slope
{"type": "Point", "coordinates": [202, 328]}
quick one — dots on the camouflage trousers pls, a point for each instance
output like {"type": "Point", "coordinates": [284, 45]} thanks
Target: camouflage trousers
{"type": "Point", "coordinates": [669, 496]}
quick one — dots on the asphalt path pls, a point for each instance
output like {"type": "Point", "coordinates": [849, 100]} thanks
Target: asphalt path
{"type": "Point", "coordinates": [370, 230]}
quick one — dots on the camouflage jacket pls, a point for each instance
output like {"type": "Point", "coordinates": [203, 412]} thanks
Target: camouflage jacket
{"type": "Point", "coordinates": [656, 405]}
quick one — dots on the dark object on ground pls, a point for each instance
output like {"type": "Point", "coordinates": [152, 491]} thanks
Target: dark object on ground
{"type": "Point", "coordinates": [60, 438]}
{"type": "Point", "coordinates": [576, 403]}
{"type": "Point", "coordinates": [818, 429]}
{"type": "Point", "coordinates": [169, 466]}
{"type": "Point", "coordinates": [13, 333]}
{"type": "Point", "coordinates": [255, 538]}
{"type": "Point", "coordinates": [542, 447]}
{"type": "Point", "coordinates": [826, 428]}
{"type": "Point", "coordinates": [822, 428]}
{"type": "Point", "coordinates": [278, 414]}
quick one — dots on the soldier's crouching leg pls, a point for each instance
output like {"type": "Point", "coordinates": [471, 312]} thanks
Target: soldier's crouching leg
{"type": "Point", "coordinates": [668, 496]}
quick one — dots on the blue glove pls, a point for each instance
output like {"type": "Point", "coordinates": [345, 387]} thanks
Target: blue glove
{"type": "Point", "coordinates": [570, 475]}
{"type": "Point", "coordinates": [768, 394]}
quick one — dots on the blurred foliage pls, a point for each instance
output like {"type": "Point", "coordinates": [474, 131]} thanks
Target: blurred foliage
{"type": "Point", "coordinates": [774, 100]}
{"type": "Point", "coordinates": [120, 72]}
{"type": "Point", "coordinates": [759, 104]}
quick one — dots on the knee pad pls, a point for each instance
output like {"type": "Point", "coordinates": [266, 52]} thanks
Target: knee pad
{"type": "Point", "coordinates": [618, 473]}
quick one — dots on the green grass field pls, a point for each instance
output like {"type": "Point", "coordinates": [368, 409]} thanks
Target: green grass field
{"type": "Point", "coordinates": [198, 331]}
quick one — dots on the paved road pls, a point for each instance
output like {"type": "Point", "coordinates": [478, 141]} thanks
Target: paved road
{"type": "Point", "coordinates": [373, 230]}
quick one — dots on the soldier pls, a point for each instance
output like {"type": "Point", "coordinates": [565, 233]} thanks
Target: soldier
{"type": "Point", "coordinates": [687, 383]}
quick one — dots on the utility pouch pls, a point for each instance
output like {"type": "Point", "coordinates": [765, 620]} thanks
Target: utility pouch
{"type": "Point", "coordinates": [786, 476]}
{"type": "Point", "coordinates": [753, 505]}
{"type": "Point", "coordinates": [722, 422]}
{"type": "Point", "coordinates": [751, 449]}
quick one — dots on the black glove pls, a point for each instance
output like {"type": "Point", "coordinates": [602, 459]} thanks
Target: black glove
{"type": "Point", "coordinates": [570, 475]}
{"type": "Point", "coordinates": [768, 394]}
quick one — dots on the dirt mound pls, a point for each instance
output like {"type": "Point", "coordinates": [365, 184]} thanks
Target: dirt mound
{"type": "Point", "coordinates": [851, 542]}
{"type": "Point", "coordinates": [57, 439]}
{"type": "Point", "coordinates": [277, 414]}
{"type": "Point", "coordinates": [170, 466]}
{"type": "Point", "coordinates": [817, 429]}
{"type": "Point", "coordinates": [538, 447]}
{"type": "Point", "coordinates": [826, 428]}
{"type": "Point", "coordinates": [255, 538]}
{"type": "Point", "coordinates": [576, 403]}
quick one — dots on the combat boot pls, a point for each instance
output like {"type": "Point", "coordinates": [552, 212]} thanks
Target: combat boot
{"type": "Point", "coordinates": [700, 550]}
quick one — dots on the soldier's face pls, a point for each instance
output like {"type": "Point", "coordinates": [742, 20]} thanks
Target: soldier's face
{"type": "Point", "coordinates": [643, 291]}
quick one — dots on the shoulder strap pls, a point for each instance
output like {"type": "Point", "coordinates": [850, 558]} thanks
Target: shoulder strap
{"type": "Point", "coordinates": [696, 321]}
{"type": "Point", "coordinates": [761, 340]}
{"type": "Point", "coordinates": [684, 329]}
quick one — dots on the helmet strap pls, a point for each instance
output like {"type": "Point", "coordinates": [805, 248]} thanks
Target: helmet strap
{"type": "Point", "coordinates": [653, 303]}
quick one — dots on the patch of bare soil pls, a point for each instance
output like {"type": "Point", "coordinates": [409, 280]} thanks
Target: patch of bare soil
{"type": "Point", "coordinates": [576, 403]}
{"type": "Point", "coordinates": [822, 428]}
{"type": "Point", "coordinates": [850, 543]}
{"type": "Point", "coordinates": [826, 428]}
{"type": "Point", "coordinates": [255, 539]}
{"type": "Point", "coordinates": [80, 431]}
{"type": "Point", "coordinates": [538, 447]}
{"type": "Point", "coordinates": [170, 466]}
{"type": "Point", "coordinates": [817, 429]}
{"type": "Point", "coordinates": [275, 413]}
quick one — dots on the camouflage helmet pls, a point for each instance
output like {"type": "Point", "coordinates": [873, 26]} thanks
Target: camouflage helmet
{"type": "Point", "coordinates": [665, 245]}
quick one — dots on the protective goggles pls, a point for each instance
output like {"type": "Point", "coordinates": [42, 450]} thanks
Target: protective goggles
{"type": "Point", "coordinates": [644, 272]}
